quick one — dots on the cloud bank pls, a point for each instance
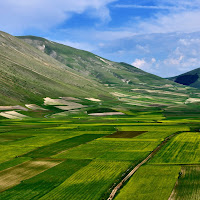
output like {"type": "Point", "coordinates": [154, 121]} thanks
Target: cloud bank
{"type": "Point", "coordinates": [21, 15]}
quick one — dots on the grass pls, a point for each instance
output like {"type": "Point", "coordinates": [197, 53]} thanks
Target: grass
{"type": "Point", "coordinates": [20, 147]}
{"type": "Point", "coordinates": [44, 182]}
{"type": "Point", "coordinates": [89, 162]}
{"type": "Point", "coordinates": [52, 149]}
{"type": "Point", "coordinates": [91, 182]}
{"type": "Point", "coordinates": [13, 162]}
{"type": "Point", "coordinates": [134, 156]}
{"type": "Point", "coordinates": [183, 149]}
{"type": "Point", "coordinates": [150, 182]}
{"type": "Point", "coordinates": [157, 135]}
{"type": "Point", "coordinates": [91, 156]}
{"type": "Point", "coordinates": [100, 147]}
{"type": "Point", "coordinates": [188, 187]}
{"type": "Point", "coordinates": [22, 67]}
{"type": "Point", "coordinates": [174, 128]}
{"type": "Point", "coordinates": [14, 175]}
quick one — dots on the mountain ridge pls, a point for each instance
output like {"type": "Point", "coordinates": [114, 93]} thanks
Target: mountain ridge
{"type": "Point", "coordinates": [190, 78]}
{"type": "Point", "coordinates": [27, 74]}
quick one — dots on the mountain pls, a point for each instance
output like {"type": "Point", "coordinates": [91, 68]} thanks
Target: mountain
{"type": "Point", "coordinates": [32, 68]}
{"type": "Point", "coordinates": [95, 67]}
{"type": "Point", "coordinates": [191, 78]}
{"type": "Point", "coordinates": [27, 75]}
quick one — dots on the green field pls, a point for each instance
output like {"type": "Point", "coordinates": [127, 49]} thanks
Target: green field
{"type": "Point", "coordinates": [41, 184]}
{"type": "Point", "coordinates": [73, 125]}
{"type": "Point", "coordinates": [49, 150]}
{"type": "Point", "coordinates": [188, 186]}
{"type": "Point", "coordinates": [90, 182]}
{"type": "Point", "coordinates": [90, 155]}
{"type": "Point", "coordinates": [150, 182]}
{"type": "Point", "coordinates": [183, 149]}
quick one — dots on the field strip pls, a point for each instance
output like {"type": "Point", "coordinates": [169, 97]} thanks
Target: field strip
{"type": "Point", "coordinates": [14, 175]}
{"type": "Point", "coordinates": [114, 191]}
{"type": "Point", "coordinates": [13, 108]}
{"type": "Point", "coordinates": [187, 186]}
{"type": "Point", "coordinates": [173, 191]}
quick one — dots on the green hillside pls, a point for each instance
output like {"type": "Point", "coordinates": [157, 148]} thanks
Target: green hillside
{"type": "Point", "coordinates": [93, 66]}
{"type": "Point", "coordinates": [191, 78]}
{"type": "Point", "coordinates": [129, 84]}
{"type": "Point", "coordinates": [27, 75]}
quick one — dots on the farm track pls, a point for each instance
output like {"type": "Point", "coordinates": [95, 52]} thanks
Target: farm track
{"type": "Point", "coordinates": [119, 185]}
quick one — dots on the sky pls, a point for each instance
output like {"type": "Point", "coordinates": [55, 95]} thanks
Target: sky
{"type": "Point", "coordinates": [159, 36]}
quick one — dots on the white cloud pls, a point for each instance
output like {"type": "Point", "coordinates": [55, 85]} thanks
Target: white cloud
{"type": "Point", "coordinates": [20, 15]}
{"type": "Point", "coordinates": [173, 61]}
{"type": "Point", "coordinates": [164, 5]}
{"type": "Point", "coordinates": [172, 22]}
{"type": "Point", "coordinates": [188, 42]}
{"type": "Point", "coordinates": [142, 48]}
{"type": "Point", "coordinates": [153, 60]}
{"type": "Point", "coordinates": [159, 7]}
{"type": "Point", "coordinates": [168, 54]}
{"type": "Point", "coordinates": [139, 63]}
{"type": "Point", "coordinates": [170, 16]}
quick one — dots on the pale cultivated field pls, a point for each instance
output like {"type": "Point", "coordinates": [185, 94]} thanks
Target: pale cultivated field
{"type": "Point", "coordinates": [12, 108]}
{"type": "Point", "coordinates": [62, 104]}
{"type": "Point", "coordinates": [192, 100]}
{"type": "Point", "coordinates": [69, 107]}
{"type": "Point", "coordinates": [70, 98]}
{"type": "Point", "coordinates": [117, 94]}
{"type": "Point", "coordinates": [14, 175]}
{"type": "Point", "coordinates": [54, 102]}
{"type": "Point", "coordinates": [106, 113]}
{"type": "Point", "coordinates": [34, 107]}
{"type": "Point", "coordinates": [12, 115]}
{"type": "Point", "coordinates": [93, 99]}
{"type": "Point", "coordinates": [161, 92]}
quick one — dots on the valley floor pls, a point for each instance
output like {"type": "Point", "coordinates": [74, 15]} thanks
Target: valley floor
{"type": "Point", "coordinates": [85, 157]}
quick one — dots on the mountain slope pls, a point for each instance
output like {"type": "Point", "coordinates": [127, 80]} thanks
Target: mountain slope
{"type": "Point", "coordinates": [191, 78]}
{"type": "Point", "coordinates": [27, 75]}
{"type": "Point", "coordinates": [129, 84]}
{"type": "Point", "coordinates": [94, 67]}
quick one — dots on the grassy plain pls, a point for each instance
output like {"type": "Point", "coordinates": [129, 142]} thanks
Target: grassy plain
{"type": "Point", "coordinates": [188, 185]}
{"type": "Point", "coordinates": [92, 154]}
{"type": "Point", "coordinates": [44, 182]}
{"type": "Point", "coordinates": [150, 182]}
{"type": "Point", "coordinates": [91, 182]}
{"type": "Point", "coordinates": [183, 149]}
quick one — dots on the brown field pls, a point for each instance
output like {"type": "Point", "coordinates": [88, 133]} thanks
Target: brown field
{"type": "Point", "coordinates": [125, 134]}
{"type": "Point", "coordinates": [70, 98]}
{"type": "Point", "coordinates": [14, 175]}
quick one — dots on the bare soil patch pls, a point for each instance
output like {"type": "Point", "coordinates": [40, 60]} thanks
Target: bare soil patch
{"type": "Point", "coordinates": [70, 98]}
{"type": "Point", "coordinates": [106, 114]}
{"type": "Point", "coordinates": [93, 99]}
{"type": "Point", "coordinates": [12, 115]}
{"type": "Point", "coordinates": [14, 175]}
{"type": "Point", "coordinates": [34, 107]}
{"type": "Point", "coordinates": [13, 108]}
{"type": "Point", "coordinates": [126, 134]}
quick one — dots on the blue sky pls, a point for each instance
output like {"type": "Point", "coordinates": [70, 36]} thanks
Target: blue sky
{"type": "Point", "coordinates": [158, 36]}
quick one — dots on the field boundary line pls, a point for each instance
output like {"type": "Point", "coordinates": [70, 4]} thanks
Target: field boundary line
{"type": "Point", "coordinates": [119, 185]}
